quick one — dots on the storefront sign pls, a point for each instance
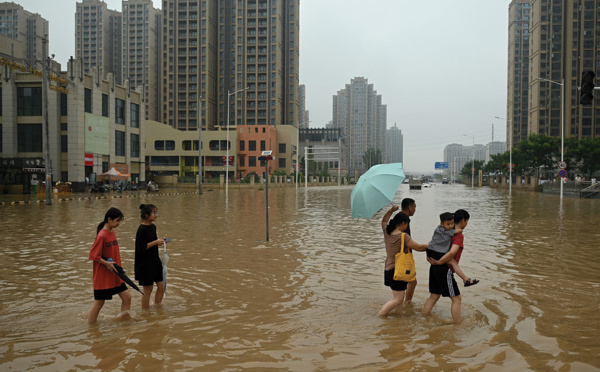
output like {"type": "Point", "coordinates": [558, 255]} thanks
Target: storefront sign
{"type": "Point", "coordinates": [89, 159]}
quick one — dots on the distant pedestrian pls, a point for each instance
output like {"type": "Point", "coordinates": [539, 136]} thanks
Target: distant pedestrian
{"type": "Point", "coordinates": [148, 267]}
{"type": "Point", "coordinates": [105, 254]}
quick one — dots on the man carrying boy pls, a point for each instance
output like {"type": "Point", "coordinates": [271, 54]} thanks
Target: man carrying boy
{"type": "Point", "coordinates": [441, 278]}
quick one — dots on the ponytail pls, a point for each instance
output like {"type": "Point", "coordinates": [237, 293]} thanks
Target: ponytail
{"type": "Point", "coordinates": [113, 213]}
{"type": "Point", "coordinates": [398, 219]}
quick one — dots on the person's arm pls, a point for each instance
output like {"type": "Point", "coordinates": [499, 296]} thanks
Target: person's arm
{"type": "Point", "coordinates": [412, 244]}
{"type": "Point", "coordinates": [158, 241]}
{"type": "Point", "coordinates": [458, 230]}
{"type": "Point", "coordinates": [445, 258]}
{"type": "Point", "coordinates": [386, 217]}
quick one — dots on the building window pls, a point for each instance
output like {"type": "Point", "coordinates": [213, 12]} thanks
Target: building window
{"type": "Point", "coordinates": [119, 111]}
{"type": "Point", "coordinates": [164, 160]}
{"type": "Point", "coordinates": [263, 145]}
{"type": "Point", "coordinates": [135, 115]}
{"type": "Point", "coordinates": [242, 161]}
{"type": "Point", "coordinates": [159, 145]}
{"type": "Point", "coordinates": [64, 143]}
{"type": "Point", "coordinates": [105, 105]}
{"type": "Point", "coordinates": [169, 145]}
{"type": "Point", "coordinates": [119, 143]}
{"type": "Point", "coordinates": [252, 146]}
{"type": "Point", "coordinates": [29, 137]}
{"type": "Point", "coordinates": [252, 161]}
{"type": "Point", "coordinates": [135, 145]}
{"type": "Point", "coordinates": [282, 162]}
{"type": "Point", "coordinates": [87, 100]}
{"type": "Point", "coordinates": [242, 145]}
{"type": "Point", "coordinates": [282, 148]}
{"type": "Point", "coordinates": [63, 104]}
{"type": "Point", "coordinates": [29, 101]}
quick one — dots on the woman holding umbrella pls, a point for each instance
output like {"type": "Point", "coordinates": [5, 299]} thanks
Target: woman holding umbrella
{"type": "Point", "coordinates": [148, 267]}
{"type": "Point", "coordinates": [392, 234]}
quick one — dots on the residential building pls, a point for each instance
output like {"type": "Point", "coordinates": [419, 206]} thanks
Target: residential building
{"type": "Point", "coordinates": [325, 147]}
{"type": "Point", "coordinates": [358, 111]}
{"type": "Point", "coordinates": [494, 148]}
{"type": "Point", "coordinates": [394, 145]}
{"type": "Point", "coordinates": [97, 38]}
{"type": "Point", "coordinates": [93, 125]}
{"type": "Point", "coordinates": [21, 34]}
{"type": "Point", "coordinates": [303, 114]}
{"type": "Point", "coordinates": [140, 53]}
{"type": "Point", "coordinates": [559, 40]}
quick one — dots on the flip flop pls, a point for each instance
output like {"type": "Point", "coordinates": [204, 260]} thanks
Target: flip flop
{"type": "Point", "coordinates": [470, 282]}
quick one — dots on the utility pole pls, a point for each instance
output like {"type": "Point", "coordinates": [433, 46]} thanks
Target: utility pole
{"type": "Point", "coordinates": [45, 129]}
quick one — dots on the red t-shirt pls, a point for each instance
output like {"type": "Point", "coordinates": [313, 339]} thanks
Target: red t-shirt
{"type": "Point", "coordinates": [106, 246]}
{"type": "Point", "coordinates": [458, 239]}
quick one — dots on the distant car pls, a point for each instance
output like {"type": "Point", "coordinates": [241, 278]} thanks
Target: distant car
{"type": "Point", "coordinates": [444, 180]}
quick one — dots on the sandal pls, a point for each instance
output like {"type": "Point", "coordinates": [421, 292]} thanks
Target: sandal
{"type": "Point", "coordinates": [470, 282]}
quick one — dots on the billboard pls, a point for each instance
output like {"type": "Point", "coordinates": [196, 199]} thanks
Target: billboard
{"type": "Point", "coordinates": [97, 134]}
{"type": "Point", "coordinates": [441, 165]}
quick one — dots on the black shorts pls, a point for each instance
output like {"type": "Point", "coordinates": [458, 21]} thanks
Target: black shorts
{"type": "Point", "coordinates": [107, 294]}
{"type": "Point", "coordinates": [150, 274]}
{"type": "Point", "coordinates": [441, 281]}
{"type": "Point", "coordinates": [395, 285]}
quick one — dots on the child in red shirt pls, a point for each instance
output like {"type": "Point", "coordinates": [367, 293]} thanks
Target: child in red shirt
{"type": "Point", "coordinates": [105, 280]}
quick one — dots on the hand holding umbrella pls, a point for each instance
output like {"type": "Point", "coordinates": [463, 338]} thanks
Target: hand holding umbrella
{"type": "Point", "coordinates": [121, 273]}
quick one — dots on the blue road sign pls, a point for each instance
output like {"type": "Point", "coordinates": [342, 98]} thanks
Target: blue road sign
{"type": "Point", "coordinates": [562, 173]}
{"type": "Point", "coordinates": [441, 165]}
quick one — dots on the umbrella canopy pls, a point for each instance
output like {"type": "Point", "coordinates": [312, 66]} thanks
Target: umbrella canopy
{"type": "Point", "coordinates": [164, 258]}
{"type": "Point", "coordinates": [375, 189]}
{"type": "Point", "coordinates": [113, 173]}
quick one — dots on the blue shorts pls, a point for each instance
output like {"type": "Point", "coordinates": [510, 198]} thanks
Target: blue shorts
{"type": "Point", "coordinates": [395, 285]}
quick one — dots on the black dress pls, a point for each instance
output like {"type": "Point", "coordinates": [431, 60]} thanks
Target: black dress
{"type": "Point", "coordinates": [147, 265]}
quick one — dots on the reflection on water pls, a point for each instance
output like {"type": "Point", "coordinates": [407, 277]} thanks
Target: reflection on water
{"type": "Point", "coordinates": [308, 298]}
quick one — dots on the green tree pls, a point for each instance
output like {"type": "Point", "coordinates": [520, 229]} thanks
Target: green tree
{"type": "Point", "coordinates": [587, 156]}
{"type": "Point", "coordinates": [372, 157]}
{"type": "Point", "coordinates": [466, 170]}
{"type": "Point", "coordinates": [325, 171]}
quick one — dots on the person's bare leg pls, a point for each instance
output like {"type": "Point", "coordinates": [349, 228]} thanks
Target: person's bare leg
{"type": "Point", "coordinates": [455, 309]}
{"type": "Point", "coordinates": [94, 311]}
{"type": "Point", "coordinates": [431, 301]}
{"type": "Point", "coordinates": [410, 291]}
{"type": "Point", "coordinates": [146, 297]}
{"type": "Point", "coordinates": [394, 303]}
{"type": "Point", "coordinates": [125, 303]}
{"type": "Point", "coordinates": [160, 292]}
{"type": "Point", "coordinates": [457, 270]}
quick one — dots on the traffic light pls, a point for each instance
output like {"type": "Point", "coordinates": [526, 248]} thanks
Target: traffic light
{"type": "Point", "coordinates": [587, 87]}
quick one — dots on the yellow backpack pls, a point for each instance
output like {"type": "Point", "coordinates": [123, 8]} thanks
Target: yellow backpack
{"type": "Point", "coordinates": [405, 264]}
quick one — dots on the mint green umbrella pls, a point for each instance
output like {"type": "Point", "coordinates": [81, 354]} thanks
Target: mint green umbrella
{"type": "Point", "coordinates": [375, 189]}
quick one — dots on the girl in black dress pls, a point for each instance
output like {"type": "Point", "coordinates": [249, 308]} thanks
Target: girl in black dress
{"type": "Point", "coordinates": [147, 266]}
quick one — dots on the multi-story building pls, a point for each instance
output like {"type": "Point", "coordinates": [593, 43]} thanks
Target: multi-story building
{"type": "Point", "coordinates": [140, 51]}
{"type": "Point", "coordinates": [561, 38]}
{"type": "Point", "coordinates": [97, 38]}
{"type": "Point", "coordinates": [358, 111]}
{"type": "Point", "coordinates": [518, 69]}
{"type": "Point", "coordinates": [93, 125]}
{"type": "Point", "coordinates": [394, 145]}
{"type": "Point", "coordinates": [21, 34]}
{"type": "Point", "coordinates": [494, 148]}
{"type": "Point", "coordinates": [214, 49]}
{"type": "Point", "coordinates": [325, 147]}
{"type": "Point", "coordinates": [457, 155]}
{"type": "Point", "coordinates": [303, 114]}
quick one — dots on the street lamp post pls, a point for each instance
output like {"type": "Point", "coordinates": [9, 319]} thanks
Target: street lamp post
{"type": "Point", "coordinates": [45, 129]}
{"type": "Point", "coordinates": [510, 165]}
{"type": "Point", "coordinates": [227, 158]}
{"type": "Point", "coordinates": [562, 124]}
{"type": "Point", "coordinates": [473, 162]}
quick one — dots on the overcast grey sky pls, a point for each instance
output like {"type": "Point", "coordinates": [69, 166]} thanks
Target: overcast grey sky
{"type": "Point", "coordinates": [439, 65]}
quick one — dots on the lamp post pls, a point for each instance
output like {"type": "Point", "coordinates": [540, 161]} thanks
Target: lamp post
{"type": "Point", "coordinates": [227, 159]}
{"type": "Point", "coordinates": [340, 157]}
{"type": "Point", "coordinates": [473, 163]}
{"type": "Point", "coordinates": [298, 151]}
{"type": "Point", "coordinates": [562, 124]}
{"type": "Point", "coordinates": [510, 165]}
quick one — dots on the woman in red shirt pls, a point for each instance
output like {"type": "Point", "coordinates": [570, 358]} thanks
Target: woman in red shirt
{"type": "Point", "coordinates": [106, 282]}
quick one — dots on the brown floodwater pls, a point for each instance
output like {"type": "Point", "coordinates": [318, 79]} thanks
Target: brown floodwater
{"type": "Point", "coordinates": [307, 299]}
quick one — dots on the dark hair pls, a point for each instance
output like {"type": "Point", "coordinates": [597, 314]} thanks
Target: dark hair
{"type": "Point", "coordinates": [397, 220]}
{"type": "Point", "coordinates": [460, 215]}
{"type": "Point", "coordinates": [406, 202]}
{"type": "Point", "coordinates": [446, 216]}
{"type": "Point", "coordinates": [113, 213]}
{"type": "Point", "coordinates": [146, 210]}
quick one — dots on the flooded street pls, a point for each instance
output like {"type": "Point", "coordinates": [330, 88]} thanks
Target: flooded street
{"type": "Point", "coordinates": [306, 300]}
